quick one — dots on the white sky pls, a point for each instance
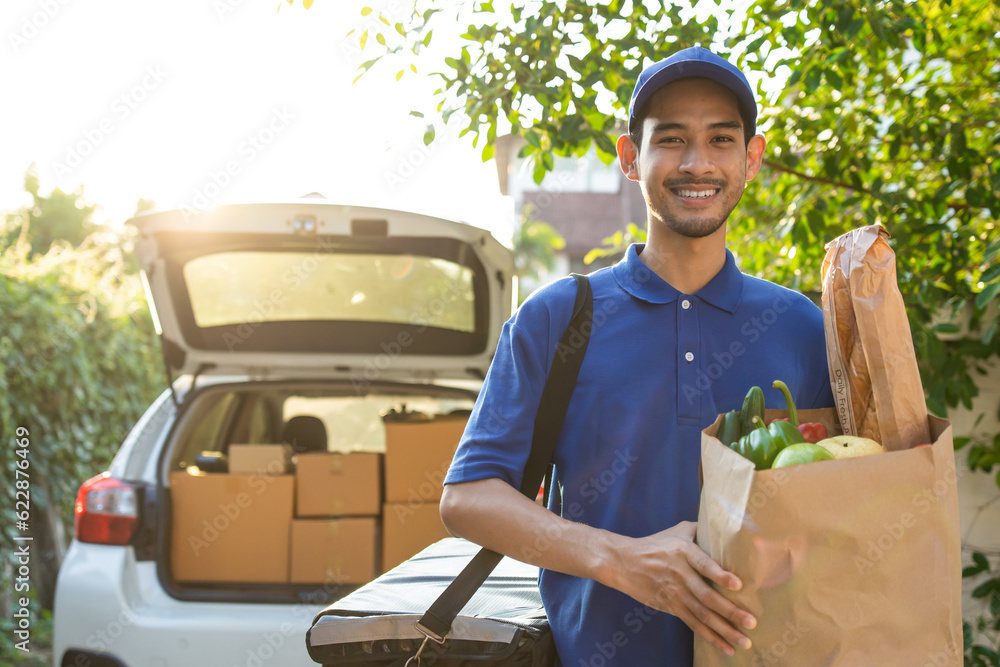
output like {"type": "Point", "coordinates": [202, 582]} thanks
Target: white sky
{"type": "Point", "coordinates": [165, 96]}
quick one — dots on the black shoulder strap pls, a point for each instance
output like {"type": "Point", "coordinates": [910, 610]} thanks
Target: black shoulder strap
{"type": "Point", "coordinates": [436, 621]}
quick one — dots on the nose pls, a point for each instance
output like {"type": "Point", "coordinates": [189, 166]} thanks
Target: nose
{"type": "Point", "coordinates": [697, 160]}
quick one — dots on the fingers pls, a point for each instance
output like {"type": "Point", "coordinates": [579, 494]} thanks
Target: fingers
{"type": "Point", "coordinates": [708, 568]}
{"type": "Point", "coordinates": [712, 616]}
{"type": "Point", "coordinates": [722, 619]}
{"type": "Point", "coordinates": [686, 605]}
{"type": "Point", "coordinates": [707, 633]}
{"type": "Point", "coordinates": [703, 564]}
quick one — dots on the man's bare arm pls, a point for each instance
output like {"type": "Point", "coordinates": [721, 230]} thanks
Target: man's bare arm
{"type": "Point", "coordinates": [665, 571]}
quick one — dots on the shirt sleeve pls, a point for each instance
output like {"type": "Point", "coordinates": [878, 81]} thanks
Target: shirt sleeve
{"type": "Point", "coordinates": [497, 439]}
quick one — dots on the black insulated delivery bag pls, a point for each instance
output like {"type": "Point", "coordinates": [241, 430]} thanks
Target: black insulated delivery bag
{"type": "Point", "coordinates": [503, 623]}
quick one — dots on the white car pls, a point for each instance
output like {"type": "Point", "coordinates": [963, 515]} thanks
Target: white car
{"type": "Point", "coordinates": [273, 317]}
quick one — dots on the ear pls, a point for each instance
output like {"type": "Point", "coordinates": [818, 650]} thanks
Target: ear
{"type": "Point", "coordinates": [755, 154]}
{"type": "Point", "coordinates": [628, 157]}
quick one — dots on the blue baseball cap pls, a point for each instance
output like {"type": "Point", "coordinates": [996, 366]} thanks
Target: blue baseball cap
{"type": "Point", "coordinates": [695, 61]}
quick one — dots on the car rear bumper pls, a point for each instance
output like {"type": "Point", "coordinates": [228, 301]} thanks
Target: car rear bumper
{"type": "Point", "coordinates": [107, 602]}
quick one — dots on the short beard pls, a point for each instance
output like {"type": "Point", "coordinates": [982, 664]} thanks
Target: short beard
{"type": "Point", "coordinates": [694, 229]}
{"type": "Point", "coordinates": [699, 227]}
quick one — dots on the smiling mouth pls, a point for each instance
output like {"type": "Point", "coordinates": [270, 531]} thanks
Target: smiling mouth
{"type": "Point", "coordinates": [695, 194]}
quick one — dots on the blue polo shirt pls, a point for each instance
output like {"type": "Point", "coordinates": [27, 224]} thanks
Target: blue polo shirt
{"type": "Point", "coordinates": [660, 366]}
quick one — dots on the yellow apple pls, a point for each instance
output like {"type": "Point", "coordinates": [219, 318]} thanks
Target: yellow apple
{"type": "Point", "coordinates": [850, 446]}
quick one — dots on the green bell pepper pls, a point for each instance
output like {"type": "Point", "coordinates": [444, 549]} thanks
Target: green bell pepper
{"type": "Point", "coordinates": [758, 446]}
{"type": "Point", "coordinates": [784, 434]}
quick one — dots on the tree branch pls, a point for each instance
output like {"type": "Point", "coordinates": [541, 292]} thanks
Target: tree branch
{"type": "Point", "coordinates": [816, 179]}
{"type": "Point", "coordinates": [956, 205]}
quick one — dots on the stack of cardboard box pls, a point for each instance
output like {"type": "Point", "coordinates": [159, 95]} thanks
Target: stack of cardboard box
{"type": "Point", "coordinates": [259, 523]}
{"type": "Point", "coordinates": [335, 529]}
{"type": "Point", "coordinates": [417, 456]}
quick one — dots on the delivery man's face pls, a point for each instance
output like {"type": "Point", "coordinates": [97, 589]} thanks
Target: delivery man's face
{"type": "Point", "coordinates": [694, 163]}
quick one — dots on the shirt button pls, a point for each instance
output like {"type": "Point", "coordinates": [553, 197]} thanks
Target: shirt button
{"type": "Point", "coordinates": [689, 356]}
{"type": "Point", "coordinates": [685, 304]}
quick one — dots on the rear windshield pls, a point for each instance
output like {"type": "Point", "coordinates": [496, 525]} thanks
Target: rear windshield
{"type": "Point", "coordinates": [337, 295]}
{"type": "Point", "coordinates": [291, 286]}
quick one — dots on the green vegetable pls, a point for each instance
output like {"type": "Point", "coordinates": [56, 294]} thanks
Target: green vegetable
{"type": "Point", "coordinates": [758, 446]}
{"type": "Point", "coordinates": [811, 431]}
{"type": "Point", "coordinates": [801, 452]}
{"type": "Point", "coordinates": [729, 430]}
{"type": "Point", "coordinates": [753, 406]}
{"type": "Point", "coordinates": [793, 415]}
{"type": "Point", "coordinates": [784, 434]}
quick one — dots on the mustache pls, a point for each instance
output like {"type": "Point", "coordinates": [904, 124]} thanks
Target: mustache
{"type": "Point", "coordinates": [678, 182]}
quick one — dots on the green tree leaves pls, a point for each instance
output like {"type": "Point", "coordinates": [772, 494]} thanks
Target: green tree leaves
{"type": "Point", "coordinates": [535, 244]}
{"type": "Point", "coordinates": [58, 216]}
{"type": "Point", "coordinates": [546, 69]}
{"type": "Point", "coordinates": [79, 363]}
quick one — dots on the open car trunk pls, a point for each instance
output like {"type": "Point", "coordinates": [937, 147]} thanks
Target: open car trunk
{"type": "Point", "coordinates": [325, 342]}
{"type": "Point", "coordinates": [302, 491]}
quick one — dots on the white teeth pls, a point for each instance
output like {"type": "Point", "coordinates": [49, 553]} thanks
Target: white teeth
{"type": "Point", "coordinates": [696, 194]}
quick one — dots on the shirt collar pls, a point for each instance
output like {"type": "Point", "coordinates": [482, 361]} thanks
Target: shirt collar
{"type": "Point", "coordinates": [724, 291]}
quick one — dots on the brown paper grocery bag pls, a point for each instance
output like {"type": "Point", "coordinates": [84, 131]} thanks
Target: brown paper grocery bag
{"type": "Point", "coordinates": [845, 563]}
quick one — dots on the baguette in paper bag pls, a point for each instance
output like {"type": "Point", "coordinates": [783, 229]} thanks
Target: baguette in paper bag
{"type": "Point", "coordinates": [873, 368]}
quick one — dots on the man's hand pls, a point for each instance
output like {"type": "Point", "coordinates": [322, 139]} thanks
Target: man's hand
{"type": "Point", "coordinates": [667, 571]}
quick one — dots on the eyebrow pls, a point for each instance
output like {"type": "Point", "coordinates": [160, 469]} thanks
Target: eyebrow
{"type": "Point", "coordinates": [721, 125]}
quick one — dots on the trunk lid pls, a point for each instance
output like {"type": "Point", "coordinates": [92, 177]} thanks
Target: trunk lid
{"type": "Point", "coordinates": [323, 290]}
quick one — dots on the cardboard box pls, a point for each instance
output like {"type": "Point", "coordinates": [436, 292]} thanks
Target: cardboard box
{"type": "Point", "coordinates": [407, 529]}
{"type": "Point", "coordinates": [260, 459]}
{"type": "Point", "coordinates": [230, 528]}
{"type": "Point", "coordinates": [333, 485]}
{"type": "Point", "coordinates": [339, 551]}
{"type": "Point", "coordinates": [417, 456]}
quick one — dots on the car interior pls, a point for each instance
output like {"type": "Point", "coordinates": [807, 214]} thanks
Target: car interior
{"type": "Point", "coordinates": [309, 418]}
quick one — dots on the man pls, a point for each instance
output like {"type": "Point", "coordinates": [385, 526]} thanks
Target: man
{"type": "Point", "coordinates": [679, 336]}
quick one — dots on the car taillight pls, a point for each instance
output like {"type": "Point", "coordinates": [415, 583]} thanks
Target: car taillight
{"type": "Point", "coordinates": [106, 511]}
